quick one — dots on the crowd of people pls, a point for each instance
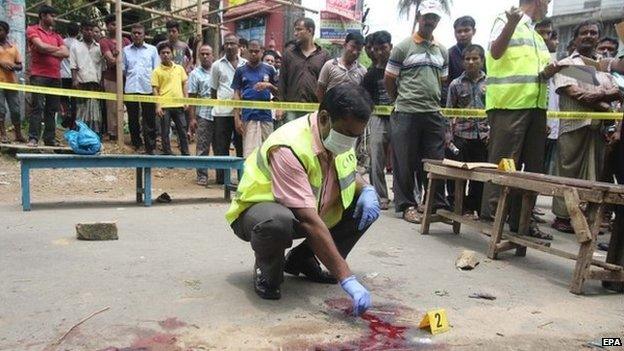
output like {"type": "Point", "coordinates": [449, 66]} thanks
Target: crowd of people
{"type": "Point", "coordinates": [418, 76]}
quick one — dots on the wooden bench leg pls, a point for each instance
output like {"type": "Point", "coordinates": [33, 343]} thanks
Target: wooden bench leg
{"type": "Point", "coordinates": [147, 192]}
{"type": "Point", "coordinates": [460, 192]}
{"type": "Point", "coordinates": [586, 252]}
{"type": "Point", "coordinates": [227, 180]}
{"type": "Point", "coordinates": [139, 185]}
{"type": "Point", "coordinates": [25, 187]}
{"type": "Point", "coordinates": [499, 222]}
{"type": "Point", "coordinates": [426, 219]}
{"type": "Point", "coordinates": [525, 219]}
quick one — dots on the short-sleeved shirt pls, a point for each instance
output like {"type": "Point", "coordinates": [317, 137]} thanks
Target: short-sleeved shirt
{"type": "Point", "coordinates": [88, 60]}
{"type": "Point", "coordinates": [42, 64]}
{"type": "Point", "coordinates": [291, 185]}
{"type": "Point", "coordinates": [139, 62]}
{"type": "Point", "coordinates": [65, 69]}
{"type": "Point", "coordinates": [110, 45]}
{"type": "Point", "coordinates": [181, 52]}
{"type": "Point", "coordinates": [199, 83]}
{"type": "Point", "coordinates": [334, 72]}
{"type": "Point", "coordinates": [222, 76]}
{"type": "Point", "coordinates": [420, 66]}
{"type": "Point", "coordinates": [465, 93]}
{"type": "Point", "coordinates": [374, 84]}
{"type": "Point", "coordinates": [245, 78]}
{"type": "Point", "coordinates": [9, 54]}
{"type": "Point", "coordinates": [566, 103]}
{"type": "Point", "coordinates": [169, 80]}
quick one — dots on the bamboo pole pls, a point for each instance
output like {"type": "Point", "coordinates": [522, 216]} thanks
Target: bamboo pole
{"type": "Point", "coordinates": [35, 5]}
{"type": "Point", "coordinates": [157, 12]}
{"type": "Point", "coordinates": [251, 14]}
{"type": "Point", "coordinates": [127, 9]}
{"type": "Point", "coordinates": [62, 20]}
{"type": "Point", "coordinates": [199, 34]}
{"type": "Point", "coordinates": [161, 16]}
{"type": "Point", "coordinates": [78, 8]}
{"type": "Point", "coordinates": [119, 74]}
{"type": "Point", "coordinates": [297, 6]}
{"type": "Point", "coordinates": [230, 7]}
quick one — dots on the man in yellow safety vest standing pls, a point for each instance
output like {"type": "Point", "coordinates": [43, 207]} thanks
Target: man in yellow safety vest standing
{"type": "Point", "coordinates": [516, 99]}
{"type": "Point", "coordinates": [302, 183]}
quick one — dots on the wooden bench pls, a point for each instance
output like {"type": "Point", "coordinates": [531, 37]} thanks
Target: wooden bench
{"type": "Point", "coordinates": [142, 163]}
{"type": "Point", "coordinates": [586, 223]}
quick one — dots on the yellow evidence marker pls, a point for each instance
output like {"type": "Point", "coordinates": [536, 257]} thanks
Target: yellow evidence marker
{"type": "Point", "coordinates": [435, 321]}
{"type": "Point", "coordinates": [507, 165]}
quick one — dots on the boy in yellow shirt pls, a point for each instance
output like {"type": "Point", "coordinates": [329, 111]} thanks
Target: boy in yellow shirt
{"type": "Point", "coordinates": [169, 80]}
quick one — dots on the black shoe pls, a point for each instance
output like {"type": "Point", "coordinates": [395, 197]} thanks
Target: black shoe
{"type": "Point", "coordinates": [263, 288]}
{"type": "Point", "coordinates": [310, 268]}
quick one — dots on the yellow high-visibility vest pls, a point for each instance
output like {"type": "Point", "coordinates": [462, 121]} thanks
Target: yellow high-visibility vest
{"type": "Point", "coordinates": [256, 185]}
{"type": "Point", "coordinates": [513, 80]}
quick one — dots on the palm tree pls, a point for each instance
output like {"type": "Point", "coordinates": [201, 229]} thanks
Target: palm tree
{"type": "Point", "coordinates": [406, 5]}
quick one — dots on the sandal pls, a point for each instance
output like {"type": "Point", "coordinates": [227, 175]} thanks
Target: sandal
{"type": "Point", "coordinates": [411, 215]}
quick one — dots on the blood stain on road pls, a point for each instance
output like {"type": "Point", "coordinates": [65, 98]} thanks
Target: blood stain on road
{"type": "Point", "coordinates": [384, 333]}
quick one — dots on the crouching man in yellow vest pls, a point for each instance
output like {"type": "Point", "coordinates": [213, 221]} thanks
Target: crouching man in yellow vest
{"type": "Point", "coordinates": [302, 184]}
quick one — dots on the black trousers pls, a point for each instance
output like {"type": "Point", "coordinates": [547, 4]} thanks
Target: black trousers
{"type": "Point", "coordinates": [224, 135]}
{"type": "Point", "coordinates": [142, 115]}
{"type": "Point", "coordinates": [178, 117]}
{"type": "Point", "coordinates": [470, 150]}
{"type": "Point", "coordinates": [270, 228]}
{"type": "Point", "coordinates": [44, 108]}
{"type": "Point", "coordinates": [68, 103]}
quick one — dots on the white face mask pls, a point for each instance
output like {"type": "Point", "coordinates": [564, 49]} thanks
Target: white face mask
{"type": "Point", "coordinates": [338, 143]}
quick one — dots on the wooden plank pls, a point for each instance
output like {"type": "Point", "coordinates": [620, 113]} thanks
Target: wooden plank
{"type": "Point", "coordinates": [507, 245]}
{"type": "Point", "coordinates": [460, 192]}
{"type": "Point", "coordinates": [586, 252]}
{"type": "Point", "coordinates": [612, 276]}
{"type": "Point", "coordinates": [533, 243]}
{"type": "Point", "coordinates": [41, 148]}
{"type": "Point", "coordinates": [525, 219]}
{"type": "Point", "coordinates": [499, 222]}
{"type": "Point", "coordinates": [577, 218]}
{"type": "Point", "coordinates": [426, 220]}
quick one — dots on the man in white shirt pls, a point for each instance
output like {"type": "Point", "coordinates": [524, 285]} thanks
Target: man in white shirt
{"type": "Point", "coordinates": [85, 61]}
{"type": "Point", "coordinates": [69, 103]}
{"type": "Point", "coordinates": [222, 76]}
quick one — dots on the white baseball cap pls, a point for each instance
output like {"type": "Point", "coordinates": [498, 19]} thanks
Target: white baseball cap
{"type": "Point", "coordinates": [431, 6]}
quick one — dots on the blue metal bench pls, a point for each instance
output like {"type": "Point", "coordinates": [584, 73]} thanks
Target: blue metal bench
{"type": "Point", "coordinates": [142, 163]}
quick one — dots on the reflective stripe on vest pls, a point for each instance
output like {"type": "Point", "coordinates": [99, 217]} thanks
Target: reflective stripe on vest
{"type": "Point", "coordinates": [513, 80]}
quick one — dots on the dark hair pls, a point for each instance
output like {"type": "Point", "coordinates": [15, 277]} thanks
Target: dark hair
{"type": "Point", "coordinates": [554, 35]}
{"type": "Point", "coordinates": [110, 19]}
{"type": "Point", "coordinates": [465, 21]}
{"type": "Point", "coordinates": [368, 40]}
{"type": "Point", "coordinates": [4, 26]}
{"type": "Point", "coordinates": [611, 40]}
{"type": "Point", "coordinates": [72, 29]}
{"type": "Point", "coordinates": [255, 42]}
{"type": "Point", "coordinates": [308, 23]}
{"type": "Point", "coordinates": [46, 10]}
{"type": "Point", "coordinates": [382, 37]}
{"type": "Point", "coordinates": [138, 26]}
{"type": "Point", "coordinates": [589, 22]}
{"type": "Point", "coordinates": [243, 42]}
{"type": "Point", "coordinates": [347, 99]}
{"type": "Point", "coordinates": [269, 52]}
{"type": "Point", "coordinates": [357, 37]}
{"type": "Point", "coordinates": [87, 24]}
{"type": "Point", "coordinates": [172, 24]}
{"type": "Point", "coordinates": [474, 47]}
{"type": "Point", "coordinates": [290, 43]}
{"type": "Point", "coordinates": [546, 22]}
{"type": "Point", "coordinates": [164, 45]}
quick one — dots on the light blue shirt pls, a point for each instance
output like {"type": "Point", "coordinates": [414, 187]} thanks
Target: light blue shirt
{"type": "Point", "coordinates": [139, 62]}
{"type": "Point", "coordinates": [199, 83]}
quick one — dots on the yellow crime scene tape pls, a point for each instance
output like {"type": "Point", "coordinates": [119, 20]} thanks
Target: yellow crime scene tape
{"type": "Point", "coordinates": [381, 110]}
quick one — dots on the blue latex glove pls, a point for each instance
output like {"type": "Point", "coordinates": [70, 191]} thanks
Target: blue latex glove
{"type": "Point", "coordinates": [367, 207]}
{"type": "Point", "coordinates": [360, 296]}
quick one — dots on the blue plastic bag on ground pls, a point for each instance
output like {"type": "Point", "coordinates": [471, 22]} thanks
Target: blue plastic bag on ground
{"type": "Point", "coordinates": [83, 140]}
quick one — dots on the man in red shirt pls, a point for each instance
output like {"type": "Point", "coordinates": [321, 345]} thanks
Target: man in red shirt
{"type": "Point", "coordinates": [108, 46]}
{"type": "Point", "coordinates": [47, 50]}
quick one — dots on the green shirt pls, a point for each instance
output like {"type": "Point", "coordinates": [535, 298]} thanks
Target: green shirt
{"type": "Point", "coordinates": [420, 66]}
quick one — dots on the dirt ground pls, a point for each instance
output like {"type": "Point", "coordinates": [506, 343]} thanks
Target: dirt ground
{"type": "Point", "coordinates": [178, 280]}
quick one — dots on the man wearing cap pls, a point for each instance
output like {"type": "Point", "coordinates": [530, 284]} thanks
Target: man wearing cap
{"type": "Point", "coordinates": [302, 183]}
{"type": "Point", "coordinates": [517, 99]}
{"type": "Point", "coordinates": [414, 75]}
